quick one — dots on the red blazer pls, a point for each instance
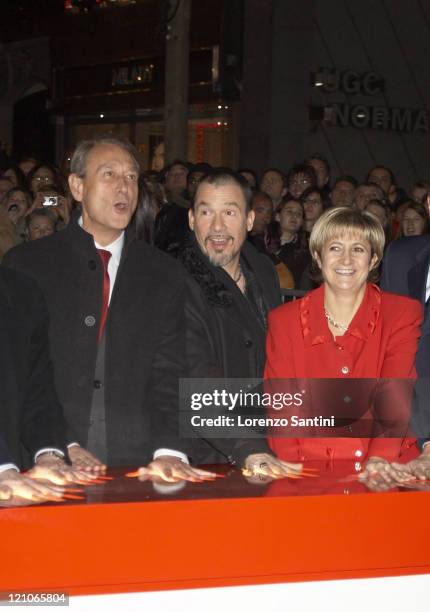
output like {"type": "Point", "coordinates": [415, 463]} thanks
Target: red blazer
{"type": "Point", "coordinates": [381, 342]}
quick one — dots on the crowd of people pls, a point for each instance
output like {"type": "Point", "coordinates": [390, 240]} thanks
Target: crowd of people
{"type": "Point", "coordinates": [35, 201]}
{"type": "Point", "coordinates": [126, 321]}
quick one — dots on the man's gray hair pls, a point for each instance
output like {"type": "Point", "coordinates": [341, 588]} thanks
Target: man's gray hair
{"type": "Point", "coordinates": [79, 159]}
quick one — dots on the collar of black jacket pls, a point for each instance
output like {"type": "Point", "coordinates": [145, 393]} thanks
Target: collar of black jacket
{"type": "Point", "coordinates": [84, 242]}
{"type": "Point", "coordinates": [214, 281]}
{"type": "Point", "coordinates": [204, 273]}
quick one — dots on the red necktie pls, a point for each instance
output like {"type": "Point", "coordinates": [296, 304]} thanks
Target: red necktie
{"type": "Point", "coordinates": [104, 256]}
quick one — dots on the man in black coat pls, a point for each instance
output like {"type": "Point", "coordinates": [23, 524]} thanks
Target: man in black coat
{"type": "Point", "coordinates": [116, 311]}
{"type": "Point", "coordinates": [231, 288]}
{"type": "Point", "coordinates": [31, 422]}
{"type": "Point", "coordinates": [406, 271]}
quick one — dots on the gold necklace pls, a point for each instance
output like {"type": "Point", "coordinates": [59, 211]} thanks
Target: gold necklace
{"type": "Point", "coordinates": [332, 322]}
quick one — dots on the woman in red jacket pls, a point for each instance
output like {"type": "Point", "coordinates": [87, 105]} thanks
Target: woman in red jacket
{"type": "Point", "coordinates": [347, 328]}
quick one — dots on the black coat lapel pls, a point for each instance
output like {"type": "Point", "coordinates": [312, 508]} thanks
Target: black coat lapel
{"type": "Point", "coordinates": [417, 283]}
{"type": "Point", "coordinates": [417, 280]}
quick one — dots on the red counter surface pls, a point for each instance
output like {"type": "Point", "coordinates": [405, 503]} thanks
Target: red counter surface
{"type": "Point", "coordinates": [129, 536]}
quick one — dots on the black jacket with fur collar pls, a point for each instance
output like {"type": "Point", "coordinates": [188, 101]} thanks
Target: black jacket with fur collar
{"type": "Point", "coordinates": [225, 337]}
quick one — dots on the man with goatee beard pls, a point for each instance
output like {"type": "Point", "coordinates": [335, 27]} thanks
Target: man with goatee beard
{"type": "Point", "coordinates": [231, 287]}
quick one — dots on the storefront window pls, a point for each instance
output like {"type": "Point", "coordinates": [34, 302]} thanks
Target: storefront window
{"type": "Point", "coordinates": [210, 138]}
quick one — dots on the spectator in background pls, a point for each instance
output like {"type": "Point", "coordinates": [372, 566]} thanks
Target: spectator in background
{"type": "Point", "coordinates": [273, 183]}
{"type": "Point", "coordinates": [300, 178]}
{"type": "Point", "coordinates": [26, 164]}
{"type": "Point", "coordinates": [5, 185]}
{"type": "Point", "coordinates": [250, 176]}
{"type": "Point", "coordinates": [156, 190]}
{"type": "Point", "coordinates": [419, 191]}
{"type": "Point", "coordinates": [40, 223]}
{"type": "Point", "coordinates": [293, 249]}
{"type": "Point", "coordinates": [381, 210]}
{"type": "Point", "coordinates": [384, 177]}
{"type": "Point", "coordinates": [16, 202]}
{"type": "Point", "coordinates": [397, 217]}
{"type": "Point", "coordinates": [262, 206]}
{"type": "Point", "coordinates": [8, 237]}
{"type": "Point", "coordinates": [175, 183]}
{"type": "Point", "coordinates": [16, 175]}
{"type": "Point", "coordinates": [366, 192]}
{"type": "Point", "coordinates": [143, 221]}
{"type": "Point", "coordinates": [427, 203]}
{"type": "Point", "coordinates": [53, 197]}
{"type": "Point", "coordinates": [151, 178]}
{"type": "Point", "coordinates": [343, 191]}
{"type": "Point", "coordinates": [157, 161]}
{"type": "Point", "coordinates": [314, 201]}
{"type": "Point", "coordinates": [322, 171]}
{"type": "Point", "coordinates": [415, 220]}
{"type": "Point", "coordinates": [195, 175]}
{"type": "Point", "coordinates": [42, 175]}
{"type": "Point", "coordinates": [171, 223]}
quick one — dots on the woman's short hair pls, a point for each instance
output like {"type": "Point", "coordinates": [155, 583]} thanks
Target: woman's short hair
{"type": "Point", "coordinates": [341, 221]}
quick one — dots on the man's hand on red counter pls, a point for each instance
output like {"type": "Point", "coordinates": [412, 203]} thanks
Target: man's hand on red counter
{"type": "Point", "coordinates": [82, 459]}
{"type": "Point", "coordinates": [55, 469]}
{"type": "Point", "coordinates": [419, 468]}
{"type": "Point", "coordinates": [5, 492]}
{"type": "Point", "coordinates": [21, 487]}
{"type": "Point", "coordinates": [171, 469]}
{"type": "Point", "coordinates": [270, 467]}
{"type": "Point", "coordinates": [379, 470]}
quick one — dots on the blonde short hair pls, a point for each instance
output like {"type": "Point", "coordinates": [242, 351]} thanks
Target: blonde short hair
{"type": "Point", "coordinates": [341, 221]}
